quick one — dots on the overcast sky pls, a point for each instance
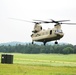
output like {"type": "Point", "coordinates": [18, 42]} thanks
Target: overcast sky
{"type": "Point", "coordinates": [13, 30]}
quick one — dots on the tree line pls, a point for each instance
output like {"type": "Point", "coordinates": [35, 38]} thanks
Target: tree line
{"type": "Point", "coordinates": [34, 49]}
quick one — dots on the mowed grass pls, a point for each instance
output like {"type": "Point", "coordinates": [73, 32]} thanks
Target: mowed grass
{"type": "Point", "coordinates": [40, 64]}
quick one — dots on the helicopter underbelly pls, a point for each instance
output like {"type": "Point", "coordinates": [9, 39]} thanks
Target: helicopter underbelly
{"type": "Point", "coordinates": [46, 38]}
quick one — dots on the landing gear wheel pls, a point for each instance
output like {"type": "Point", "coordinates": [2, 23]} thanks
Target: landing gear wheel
{"type": "Point", "coordinates": [44, 43]}
{"type": "Point", "coordinates": [32, 42]}
{"type": "Point", "coordinates": [56, 42]}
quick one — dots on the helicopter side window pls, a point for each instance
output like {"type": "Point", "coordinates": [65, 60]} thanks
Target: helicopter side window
{"type": "Point", "coordinates": [41, 28]}
{"type": "Point", "coordinates": [50, 31]}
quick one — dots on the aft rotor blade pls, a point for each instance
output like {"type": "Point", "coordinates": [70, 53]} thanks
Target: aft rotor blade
{"type": "Point", "coordinates": [37, 20]}
{"type": "Point", "coordinates": [27, 21]}
{"type": "Point", "coordinates": [43, 21]}
{"type": "Point", "coordinates": [21, 20]}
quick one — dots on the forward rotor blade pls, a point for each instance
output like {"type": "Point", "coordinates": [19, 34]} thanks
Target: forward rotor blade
{"type": "Point", "coordinates": [69, 23]}
{"type": "Point", "coordinates": [63, 20]}
{"type": "Point", "coordinates": [58, 21]}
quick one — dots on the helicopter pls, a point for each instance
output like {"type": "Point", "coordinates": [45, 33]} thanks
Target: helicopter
{"type": "Point", "coordinates": [54, 34]}
{"type": "Point", "coordinates": [41, 35]}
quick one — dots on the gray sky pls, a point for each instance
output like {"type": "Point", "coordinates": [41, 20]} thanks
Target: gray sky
{"type": "Point", "coordinates": [13, 30]}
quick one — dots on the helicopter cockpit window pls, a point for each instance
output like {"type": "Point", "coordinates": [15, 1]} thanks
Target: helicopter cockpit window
{"type": "Point", "coordinates": [60, 31]}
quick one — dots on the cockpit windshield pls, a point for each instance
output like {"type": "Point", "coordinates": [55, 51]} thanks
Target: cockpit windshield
{"type": "Point", "coordinates": [58, 31]}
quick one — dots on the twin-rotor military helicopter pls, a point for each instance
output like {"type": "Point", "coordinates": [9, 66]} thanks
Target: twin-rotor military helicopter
{"type": "Point", "coordinates": [41, 35]}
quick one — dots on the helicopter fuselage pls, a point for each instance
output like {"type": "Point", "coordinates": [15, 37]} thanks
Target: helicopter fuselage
{"type": "Point", "coordinates": [48, 35]}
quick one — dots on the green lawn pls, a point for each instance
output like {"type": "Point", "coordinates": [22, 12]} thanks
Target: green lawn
{"type": "Point", "coordinates": [40, 64]}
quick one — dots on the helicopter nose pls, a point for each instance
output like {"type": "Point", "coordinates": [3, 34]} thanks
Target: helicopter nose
{"type": "Point", "coordinates": [60, 34]}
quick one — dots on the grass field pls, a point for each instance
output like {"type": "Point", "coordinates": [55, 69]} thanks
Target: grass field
{"type": "Point", "coordinates": [40, 64]}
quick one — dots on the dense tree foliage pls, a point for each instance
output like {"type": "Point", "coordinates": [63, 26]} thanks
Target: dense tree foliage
{"type": "Point", "coordinates": [29, 48]}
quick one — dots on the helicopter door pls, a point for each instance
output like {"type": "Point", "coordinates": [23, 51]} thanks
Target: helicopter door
{"type": "Point", "coordinates": [50, 31]}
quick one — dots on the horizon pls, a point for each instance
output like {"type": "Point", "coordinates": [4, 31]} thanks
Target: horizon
{"type": "Point", "coordinates": [39, 43]}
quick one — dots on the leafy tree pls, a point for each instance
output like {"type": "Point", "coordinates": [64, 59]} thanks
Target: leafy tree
{"type": "Point", "coordinates": [29, 48]}
{"type": "Point", "coordinates": [68, 50]}
{"type": "Point", "coordinates": [75, 49]}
